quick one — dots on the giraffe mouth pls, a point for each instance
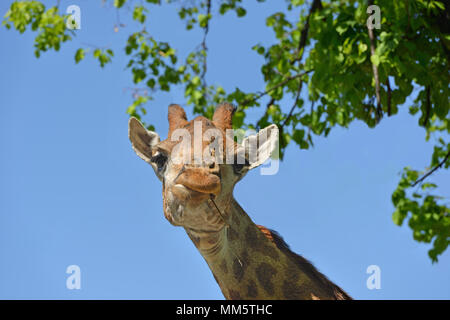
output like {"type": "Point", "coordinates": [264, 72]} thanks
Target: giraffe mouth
{"type": "Point", "coordinates": [200, 180]}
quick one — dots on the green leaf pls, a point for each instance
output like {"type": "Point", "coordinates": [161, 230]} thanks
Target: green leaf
{"type": "Point", "coordinates": [362, 47]}
{"type": "Point", "coordinates": [202, 20]}
{"type": "Point", "coordinates": [398, 217]}
{"type": "Point", "coordinates": [138, 14]}
{"type": "Point", "coordinates": [97, 53]}
{"type": "Point", "coordinates": [375, 59]}
{"type": "Point", "coordinates": [79, 55]}
{"type": "Point", "coordinates": [119, 3]}
{"type": "Point", "coordinates": [298, 136]}
{"type": "Point", "coordinates": [240, 12]}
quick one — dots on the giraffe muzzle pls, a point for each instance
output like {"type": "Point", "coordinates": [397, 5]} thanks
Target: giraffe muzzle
{"type": "Point", "coordinates": [200, 179]}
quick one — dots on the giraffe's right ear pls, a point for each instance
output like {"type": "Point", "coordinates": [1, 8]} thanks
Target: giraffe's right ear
{"type": "Point", "coordinates": [142, 139]}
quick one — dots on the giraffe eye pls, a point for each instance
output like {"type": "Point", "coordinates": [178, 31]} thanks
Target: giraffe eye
{"type": "Point", "coordinates": [160, 160]}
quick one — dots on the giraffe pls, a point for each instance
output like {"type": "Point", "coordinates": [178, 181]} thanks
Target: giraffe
{"type": "Point", "coordinates": [248, 261]}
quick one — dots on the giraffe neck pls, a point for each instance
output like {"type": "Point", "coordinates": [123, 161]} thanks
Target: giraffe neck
{"type": "Point", "coordinates": [248, 264]}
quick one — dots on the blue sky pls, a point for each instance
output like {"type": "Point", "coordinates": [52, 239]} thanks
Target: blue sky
{"type": "Point", "coordinates": [72, 191]}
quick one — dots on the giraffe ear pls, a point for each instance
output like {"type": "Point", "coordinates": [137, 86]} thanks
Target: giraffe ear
{"type": "Point", "coordinates": [261, 146]}
{"type": "Point", "coordinates": [142, 139]}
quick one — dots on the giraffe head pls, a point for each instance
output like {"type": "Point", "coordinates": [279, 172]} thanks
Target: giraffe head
{"type": "Point", "coordinates": [200, 161]}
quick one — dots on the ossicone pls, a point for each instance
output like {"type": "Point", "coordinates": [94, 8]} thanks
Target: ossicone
{"type": "Point", "coordinates": [177, 117]}
{"type": "Point", "coordinates": [223, 116]}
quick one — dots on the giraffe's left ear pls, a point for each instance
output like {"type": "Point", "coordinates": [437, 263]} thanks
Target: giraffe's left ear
{"type": "Point", "coordinates": [260, 147]}
{"type": "Point", "coordinates": [142, 139]}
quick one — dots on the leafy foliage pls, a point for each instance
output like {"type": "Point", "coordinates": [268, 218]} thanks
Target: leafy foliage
{"type": "Point", "coordinates": [49, 24]}
{"type": "Point", "coordinates": [348, 74]}
{"type": "Point", "coordinates": [428, 218]}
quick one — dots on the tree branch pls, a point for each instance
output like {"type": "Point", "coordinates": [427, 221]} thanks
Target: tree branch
{"type": "Point", "coordinates": [408, 27]}
{"type": "Point", "coordinates": [203, 44]}
{"type": "Point", "coordinates": [282, 83]}
{"type": "Point", "coordinates": [379, 111]}
{"type": "Point", "coordinates": [427, 107]}
{"type": "Point", "coordinates": [316, 5]}
{"type": "Point", "coordinates": [294, 105]}
{"type": "Point", "coordinates": [440, 164]}
{"type": "Point", "coordinates": [389, 95]}
{"type": "Point", "coordinates": [271, 102]}
{"type": "Point", "coordinates": [309, 125]}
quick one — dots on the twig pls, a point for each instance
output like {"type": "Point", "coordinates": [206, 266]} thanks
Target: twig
{"type": "Point", "coordinates": [427, 108]}
{"type": "Point", "coordinates": [432, 170]}
{"type": "Point", "coordinates": [211, 197]}
{"type": "Point", "coordinates": [203, 44]}
{"type": "Point", "coordinates": [272, 100]}
{"type": "Point", "coordinates": [317, 4]}
{"type": "Point", "coordinates": [93, 46]}
{"type": "Point", "coordinates": [118, 23]}
{"type": "Point", "coordinates": [312, 110]}
{"type": "Point", "coordinates": [389, 94]}
{"type": "Point", "coordinates": [408, 27]}
{"type": "Point", "coordinates": [136, 92]}
{"type": "Point", "coordinates": [282, 83]}
{"type": "Point", "coordinates": [379, 112]}
{"type": "Point", "coordinates": [294, 105]}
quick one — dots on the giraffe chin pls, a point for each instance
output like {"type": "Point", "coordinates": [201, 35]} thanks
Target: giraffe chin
{"type": "Point", "coordinates": [184, 206]}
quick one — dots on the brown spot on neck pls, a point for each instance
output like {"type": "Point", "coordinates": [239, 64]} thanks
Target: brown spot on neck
{"type": "Point", "coordinates": [224, 267]}
{"type": "Point", "coordinates": [234, 295]}
{"type": "Point", "coordinates": [264, 274]}
{"type": "Point", "coordinates": [291, 291]}
{"type": "Point", "coordinates": [259, 243]}
{"type": "Point", "coordinates": [252, 289]}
